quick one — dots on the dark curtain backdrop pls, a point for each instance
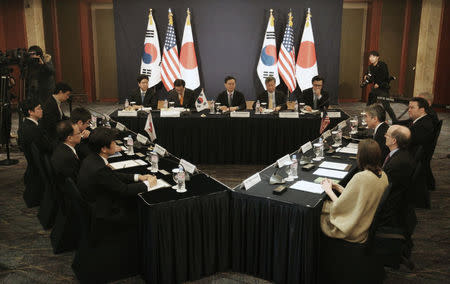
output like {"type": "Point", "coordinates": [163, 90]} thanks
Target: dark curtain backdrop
{"type": "Point", "coordinates": [228, 37]}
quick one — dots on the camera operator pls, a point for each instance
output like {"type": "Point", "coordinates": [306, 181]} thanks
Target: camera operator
{"type": "Point", "coordinates": [378, 74]}
{"type": "Point", "coordinates": [40, 80]}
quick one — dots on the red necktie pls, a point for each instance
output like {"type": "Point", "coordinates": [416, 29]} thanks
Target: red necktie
{"type": "Point", "coordinates": [386, 160]}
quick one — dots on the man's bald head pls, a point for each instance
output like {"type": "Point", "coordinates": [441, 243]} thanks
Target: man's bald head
{"type": "Point", "coordinates": [398, 136]}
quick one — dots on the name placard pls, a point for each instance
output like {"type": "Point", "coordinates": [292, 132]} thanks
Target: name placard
{"type": "Point", "coordinates": [288, 114]}
{"type": "Point", "coordinates": [120, 126]}
{"type": "Point", "coordinates": [170, 113]}
{"type": "Point", "coordinates": [334, 114]}
{"type": "Point", "coordinates": [160, 150]}
{"type": "Point", "coordinates": [129, 113]}
{"type": "Point", "coordinates": [251, 181]}
{"type": "Point", "coordinates": [306, 147]}
{"type": "Point", "coordinates": [190, 168]}
{"type": "Point", "coordinates": [342, 124]}
{"type": "Point", "coordinates": [326, 134]}
{"type": "Point", "coordinates": [142, 139]}
{"type": "Point", "coordinates": [242, 114]}
{"type": "Point", "coordinates": [283, 161]}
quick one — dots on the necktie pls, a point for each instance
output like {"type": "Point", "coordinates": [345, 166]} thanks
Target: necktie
{"type": "Point", "coordinates": [386, 160]}
{"type": "Point", "coordinates": [230, 99]}
{"type": "Point", "coordinates": [315, 102]}
{"type": "Point", "coordinates": [142, 97]}
{"type": "Point", "coordinates": [270, 101]}
{"type": "Point", "coordinates": [181, 99]}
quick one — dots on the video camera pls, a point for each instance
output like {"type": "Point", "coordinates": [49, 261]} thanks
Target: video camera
{"type": "Point", "coordinates": [19, 56]}
{"type": "Point", "coordinates": [366, 80]}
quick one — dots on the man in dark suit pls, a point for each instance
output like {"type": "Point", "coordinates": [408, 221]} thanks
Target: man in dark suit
{"type": "Point", "coordinates": [399, 167]}
{"type": "Point", "coordinates": [82, 118]}
{"type": "Point", "coordinates": [29, 133]}
{"type": "Point", "coordinates": [375, 118]}
{"type": "Point", "coordinates": [52, 110]}
{"type": "Point", "coordinates": [275, 99]}
{"type": "Point", "coordinates": [181, 96]}
{"type": "Point", "coordinates": [107, 189]}
{"type": "Point", "coordinates": [230, 99]}
{"type": "Point", "coordinates": [422, 134]}
{"type": "Point", "coordinates": [64, 159]}
{"type": "Point", "coordinates": [430, 111]}
{"type": "Point", "coordinates": [144, 96]}
{"type": "Point", "coordinates": [315, 97]}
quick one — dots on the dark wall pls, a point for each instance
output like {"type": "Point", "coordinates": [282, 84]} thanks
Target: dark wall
{"type": "Point", "coordinates": [228, 37]}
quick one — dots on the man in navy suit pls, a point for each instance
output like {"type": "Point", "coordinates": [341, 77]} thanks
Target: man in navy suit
{"type": "Point", "coordinates": [231, 99]}
{"type": "Point", "coordinates": [144, 96]}
{"type": "Point", "coordinates": [275, 99]}
{"type": "Point", "coordinates": [375, 118]}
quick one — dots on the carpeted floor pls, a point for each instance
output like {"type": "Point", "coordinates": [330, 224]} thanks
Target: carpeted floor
{"type": "Point", "coordinates": [26, 255]}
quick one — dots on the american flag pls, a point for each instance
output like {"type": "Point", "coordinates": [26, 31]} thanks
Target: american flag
{"type": "Point", "coordinates": [286, 57]}
{"type": "Point", "coordinates": [170, 63]}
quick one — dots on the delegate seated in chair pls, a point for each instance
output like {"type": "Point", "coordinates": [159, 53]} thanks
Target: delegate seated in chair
{"type": "Point", "coordinates": [350, 215]}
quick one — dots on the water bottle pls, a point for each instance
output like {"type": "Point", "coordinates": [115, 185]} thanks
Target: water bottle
{"type": "Point", "coordinates": [166, 104]}
{"type": "Point", "coordinates": [296, 106]}
{"type": "Point", "coordinates": [211, 108]}
{"type": "Point", "coordinates": [321, 148]}
{"type": "Point", "coordinates": [181, 178]}
{"type": "Point", "coordinates": [93, 122]}
{"type": "Point", "coordinates": [127, 103]}
{"type": "Point", "coordinates": [293, 167]}
{"type": "Point", "coordinates": [257, 106]}
{"type": "Point", "coordinates": [154, 159]}
{"type": "Point", "coordinates": [130, 146]}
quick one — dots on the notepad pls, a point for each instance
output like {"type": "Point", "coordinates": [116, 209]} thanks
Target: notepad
{"type": "Point", "coordinates": [334, 166]}
{"type": "Point", "coordinates": [159, 184]}
{"type": "Point", "coordinates": [127, 164]}
{"type": "Point", "coordinates": [330, 173]}
{"type": "Point", "coordinates": [348, 150]}
{"type": "Point", "coordinates": [307, 186]}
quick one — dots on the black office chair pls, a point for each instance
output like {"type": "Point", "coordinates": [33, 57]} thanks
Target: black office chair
{"type": "Point", "coordinates": [34, 187]}
{"type": "Point", "coordinates": [106, 252]}
{"type": "Point", "coordinates": [431, 182]}
{"type": "Point", "coordinates": [359, 263]}
{"type": "Point", "coordinates": [66, 233]}
{"type": "Point", "coordinates": [49, 208]}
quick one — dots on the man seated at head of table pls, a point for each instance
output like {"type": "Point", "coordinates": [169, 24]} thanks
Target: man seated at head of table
{"type": "Point", "coordinates": [275, 99]}
{"type": "Point", "coordinates": [231, 99]}
{"type": "Point", "coordinates": [315, 98]}
{"type": "Point", "coordinates": [143, 95]}
{"type": "Point", "coordinates": [82, 118]}
{"type": "Point", "coordinates": [106, 188]}
{"type": "Point", "coordinates": [65, 159]}
{"type": "Point", "coordinates": [376, 120]}
{"type": "Point", "coordinates": [350, 215]}
{"type": "Point", "coordinates": [182, 96]}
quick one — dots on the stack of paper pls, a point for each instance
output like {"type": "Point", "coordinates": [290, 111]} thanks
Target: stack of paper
{"type": "Point", "coordinates": [348, 150]}
{"type": "Point", "coordinates": [159, 184]}
{"type": "Point", "coordinates": [334, 166]}
{"type": "Point", "coordinates": [330, 173]}
{"type": "Point", "coordinates": [127, 164]}
{"type": "Point", "coordinates": [307, 186]}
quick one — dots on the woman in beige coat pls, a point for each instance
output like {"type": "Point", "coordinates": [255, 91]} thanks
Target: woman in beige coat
{"type": "Point", "coordinates": [349, 216]}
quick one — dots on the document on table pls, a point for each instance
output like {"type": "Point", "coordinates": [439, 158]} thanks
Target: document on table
{"type": "Point", "coordinates": [334, 166]}
{"type": "Point", "coordinates": [159, 184]}
{"type": "Point", "coordinates": [330, 173]}
{"type": "Point", "coordinates": [127, 164]}
{"type": "Point", "coordinates": [307, 186]}
{"type": "Point", "coordinates": [115, 155]}
{"type": "Point", "coordinates": [348, 150]}
{"type": "Point", "coordinates": [352, 145]}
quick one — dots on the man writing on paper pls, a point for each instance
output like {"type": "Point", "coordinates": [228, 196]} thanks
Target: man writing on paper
{"type": "Point", "coordinates": [231, 99]}
{"type": "Point", "coordinates": [276, 100]}
{"type": "Point", "coordinates": [315, 98]}
{"type": "Point", "coordinates": [144, 96]}
{"type": "Point", "coordinates": [112, 192]}
{"type": "Point", "coordinates": [182, 96]}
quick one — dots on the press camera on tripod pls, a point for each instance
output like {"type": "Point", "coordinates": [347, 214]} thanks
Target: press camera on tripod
{"type": "Point", "coordinates": [18, 57]}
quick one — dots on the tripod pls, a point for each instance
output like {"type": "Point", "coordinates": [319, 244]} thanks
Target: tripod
{"type": "Point", "coordinates": [5, 113]}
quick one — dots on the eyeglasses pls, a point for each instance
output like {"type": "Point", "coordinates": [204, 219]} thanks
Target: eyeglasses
{"type": "Point", "coordinates": [317, 85]}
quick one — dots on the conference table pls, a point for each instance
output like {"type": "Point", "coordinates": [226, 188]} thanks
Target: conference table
{"type": "Point", "coordinates": [212, 228]}
{"type": "Point", "coordinates": [203, 138]}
